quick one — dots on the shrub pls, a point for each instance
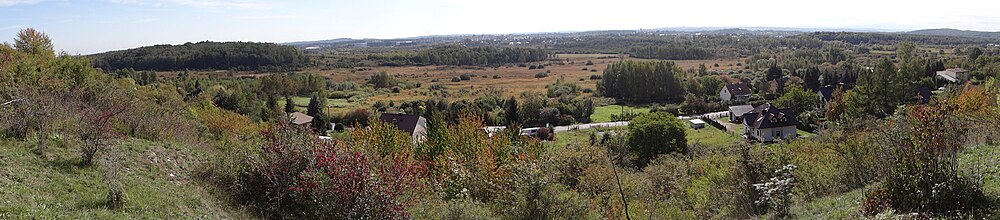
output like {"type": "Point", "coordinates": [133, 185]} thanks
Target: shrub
{"type": "Point", "coordinates": [777, 191]}
{"type": "Point", "coordinates": [496, 76]}
{"type": "Point", "coordinates": [655, 133]}
{"type": "Point", "coordinates": [588, 90]}
{"type": "Point", "coordinates": [341, 184]}
{"type": "Point", "coordinates": [923, 177]}
{"type": "Point", "coordinates": [532, 67]}
{"type": "Point", "coordinates": [293, 175]}
{"type": "Point", "coordinates": [541, 75]}
{"type": "Point", "coordinates": [465, 77]}
{"type": "Point", "coordinates": [456, 79]}
{"type": "Point", "coordinates": [438, 87]}
{"type": "Point", "coordinates": [396, 89]}
{"type": "Point", "coordinates": [595, 77]}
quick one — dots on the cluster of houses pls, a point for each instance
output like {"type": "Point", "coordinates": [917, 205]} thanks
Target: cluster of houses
{"type": "Point", "coordinates": [765, 123]}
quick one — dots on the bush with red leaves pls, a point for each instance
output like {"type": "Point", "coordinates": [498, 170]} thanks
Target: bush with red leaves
{"type": "Point", "coordinates": [348, 185]}
{"type": "Point", "coordinates": [295, 175]}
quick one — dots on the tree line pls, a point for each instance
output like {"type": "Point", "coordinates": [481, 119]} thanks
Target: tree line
{"type": "Point", "coordinates": [642, 81]}
{"type": "Point", "coordinates": [460, 55]}
{"type": "Point", "coordinates": [671, 52]}
{"type": "Point", "coordinates": [204, 55]}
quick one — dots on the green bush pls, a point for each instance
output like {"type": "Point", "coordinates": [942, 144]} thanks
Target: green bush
{"type": "Point", "coordinates": [655, 133]}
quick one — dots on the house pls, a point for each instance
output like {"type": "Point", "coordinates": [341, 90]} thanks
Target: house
{"type": "Point", "coordinates": [299, 118]}
{"type": "Point", "coordinates": [735, 91]}
{"type": "Point", "coordinates": [736, 112]}
{"type": "Point", "coordinates": [697, 123]}
{"type": "Point", "coordinates": [414, 125]}
{"type": "Point", "coordinates": [953, 75]}
{"type": "Point", "coordinates": [767, 123]}
{"type": "Point", "coordinates": [826, 92]}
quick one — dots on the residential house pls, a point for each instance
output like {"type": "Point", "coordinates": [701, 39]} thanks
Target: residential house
{"type": "Point", "coordinates": [735, 91]}
{"type": "Point", "coordinates": [736, 112]}
{"type": "Point", "coordinates": [299, 118]}
{"type": "Point", "coordinates": [414, 125]}
{"type": "Point", "coordinates": [953, 75]}
{"type": "Point", "coordinates": [826, 93]}
{"type": "Point", "coordinates": [767, 123]}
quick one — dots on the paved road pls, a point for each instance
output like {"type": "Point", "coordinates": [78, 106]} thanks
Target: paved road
{"type": "Point", "coordinates": [591, 125]}
{"type": "Point", "coordinates": [712, 115]}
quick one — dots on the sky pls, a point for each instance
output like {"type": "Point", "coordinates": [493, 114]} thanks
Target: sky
{"type": "Point", "coordinates": [93, 26]}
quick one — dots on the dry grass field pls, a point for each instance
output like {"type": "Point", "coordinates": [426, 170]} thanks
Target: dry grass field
{"type": "Point", "coordinates": [512, 81]}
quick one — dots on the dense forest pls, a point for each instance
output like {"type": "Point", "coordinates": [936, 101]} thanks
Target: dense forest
{"type": "Point", "coordinates": [203, 56]}
{"type": "Point", "coordinates": [642, 81]}
{"type": "Point", "coordinates": [460, 55]}
{"type": "Point", "coordinates": [671, 52]}
{"type": "Point", "coordinates": [890, 38]}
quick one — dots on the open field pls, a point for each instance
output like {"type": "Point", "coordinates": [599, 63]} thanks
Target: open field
{"type": "Point", "coordinates": [603, 113]}
{"type": "Point", "coordinates": [512, 81]}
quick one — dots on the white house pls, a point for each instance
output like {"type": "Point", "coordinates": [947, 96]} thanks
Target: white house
{"type": "Point", "coordinates": [954, 75]}
{"type": "Point", "coordinates": [735, 91]}
{"type": "Point", "coordinates": [767, 123]}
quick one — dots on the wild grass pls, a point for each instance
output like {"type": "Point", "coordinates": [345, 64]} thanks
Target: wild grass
{"type": "Point", "coordinates": [156, 178]}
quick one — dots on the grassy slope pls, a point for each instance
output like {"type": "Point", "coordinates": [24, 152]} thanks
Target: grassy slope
{"type": "Point", "coordinates": [53, 186]}
{"type": "Point", "coordinates": [603, 113]}
{"type": "Point", "coordinates": [983, 160]}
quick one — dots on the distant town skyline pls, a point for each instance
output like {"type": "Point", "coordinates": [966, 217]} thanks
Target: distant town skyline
{"type": "Point", "coordinates": [92, 26]}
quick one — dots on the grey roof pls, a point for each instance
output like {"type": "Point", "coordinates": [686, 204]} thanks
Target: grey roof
{"type": "Point", "coordinates": [300, 118]}
{"type": "Point", "coordinates": [740, 109]}
{"type": "Point", "coordinates": [406, 123]}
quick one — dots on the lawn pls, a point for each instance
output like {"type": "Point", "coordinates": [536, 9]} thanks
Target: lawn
{"type": "Point", "coordinates": [603, 113]}
{"type": "Point", "coordinates": [711, 136]}
{"type": "Point", "coordinates": [707, 136]}
{"type": "Point", "coordinates": [157, 179]}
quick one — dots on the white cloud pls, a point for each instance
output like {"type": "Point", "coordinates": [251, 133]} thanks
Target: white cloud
{"type": "Point", "coordinates": [17, 2]}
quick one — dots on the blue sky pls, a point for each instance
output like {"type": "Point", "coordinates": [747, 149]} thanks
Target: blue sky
{"type": "Point", "coordinates": [89, 26]}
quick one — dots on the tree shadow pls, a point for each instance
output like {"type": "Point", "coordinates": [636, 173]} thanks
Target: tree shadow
{"type": "Point", "coordinates": [65, 166]}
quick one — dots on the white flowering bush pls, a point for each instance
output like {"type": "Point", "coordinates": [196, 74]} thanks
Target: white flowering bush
{"type": "Point", "coordinates": [777, 191]}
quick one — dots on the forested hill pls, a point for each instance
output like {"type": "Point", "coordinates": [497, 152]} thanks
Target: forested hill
{"type": "Point", "coordinates": [203, 56]}
{"type": "Point", "coordinates": [957, 33]}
